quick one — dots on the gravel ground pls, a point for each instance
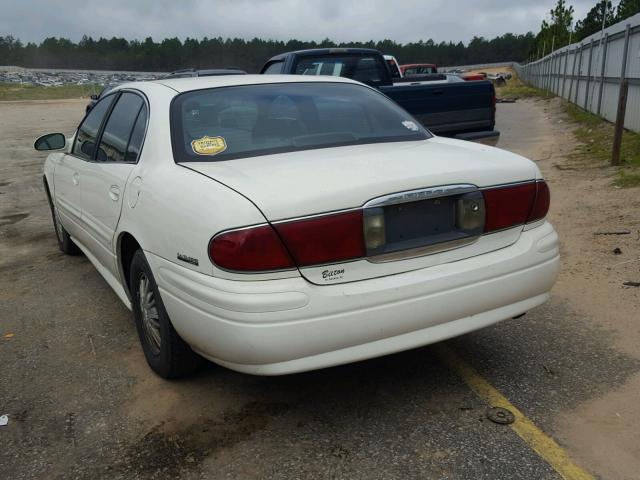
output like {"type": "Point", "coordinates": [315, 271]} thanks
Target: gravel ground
{"type": "Point", "coordinates": [83, 404]}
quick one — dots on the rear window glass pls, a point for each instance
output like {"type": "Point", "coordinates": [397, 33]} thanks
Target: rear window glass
{"type": "Point", "coordinates": [245, 121]}
{"type": "Point", "coordinates": [361, 68]}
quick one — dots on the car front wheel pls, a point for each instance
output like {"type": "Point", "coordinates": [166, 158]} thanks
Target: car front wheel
{"type": "Point", "coordinates": [166, 353]}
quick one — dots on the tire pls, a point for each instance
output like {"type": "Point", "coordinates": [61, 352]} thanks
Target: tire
{"type": "Point", "coordinates": [65, 243]}
{"type": "Point", "coordinates": [166, 353]}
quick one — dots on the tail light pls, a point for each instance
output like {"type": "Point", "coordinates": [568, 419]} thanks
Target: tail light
{"type": "Point", "coordinates": [515, 205]}
{"type": "Point", "coordinates": [252, 249]}
{"type": "Point", "coordinates": [324, 239]}
{"type": "Point", "coordinates": [340, 237]}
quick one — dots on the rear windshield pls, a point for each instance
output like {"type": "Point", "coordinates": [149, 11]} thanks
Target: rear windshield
{"type": "Point", "coordinates": [365, 69]}
{"type": "Point", "coordinates": [250, 120]}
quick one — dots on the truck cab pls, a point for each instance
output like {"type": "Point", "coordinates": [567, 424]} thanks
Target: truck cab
{"type": "Point", "coordinates": [463, 110]}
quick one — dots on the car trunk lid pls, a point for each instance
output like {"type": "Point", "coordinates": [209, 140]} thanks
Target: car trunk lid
{"type": "Point", "coordinates": [417, 190]}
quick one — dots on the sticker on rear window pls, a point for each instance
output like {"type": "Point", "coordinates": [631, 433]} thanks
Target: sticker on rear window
{"type": "Point", "coordinates": [208, 145]}
{"type": "Point", "coordinates": [411, 125]}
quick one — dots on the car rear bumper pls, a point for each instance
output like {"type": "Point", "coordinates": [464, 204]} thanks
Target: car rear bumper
{"type": "Point", "coordinates": [288, 325]}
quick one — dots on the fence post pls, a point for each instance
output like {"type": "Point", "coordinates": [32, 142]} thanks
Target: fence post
{"type": "Point", "coordinates": [625, 51]}
{"type": "Point", "coordinates": [575, 99]}
{"type": "Point", "coordinates": [564, 75]}
{"type": "Point", "coordinates": [559, 74]}
{"type": "Point", "coordinates": [622, 101]}
{"type": "Point", "coordinates": [602, 70]}
{"type": "Point", "coordinates": [586, 91]}
{"type": "Point", "coordinates": [573, 72]}
{"type": "Point", "coordinates": [619, 128]}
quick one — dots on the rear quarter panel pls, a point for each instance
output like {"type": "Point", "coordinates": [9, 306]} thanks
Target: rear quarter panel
{"type": "Point", "coordinates": [170, 209]}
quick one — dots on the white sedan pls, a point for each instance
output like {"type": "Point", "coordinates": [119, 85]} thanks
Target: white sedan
{"type": "Point", "coordinates": [276, 224]}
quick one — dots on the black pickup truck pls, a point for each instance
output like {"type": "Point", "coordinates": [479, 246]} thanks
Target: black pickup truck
{"type": "Point", "coordinates": [463, 110]}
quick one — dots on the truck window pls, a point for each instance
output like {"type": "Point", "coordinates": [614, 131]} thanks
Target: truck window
{"type": "Point", "coordinates": [368, 69]}
{"type": "Point", "coordinates": [275, 67]}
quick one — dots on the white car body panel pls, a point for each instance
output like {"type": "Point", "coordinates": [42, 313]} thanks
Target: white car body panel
{"type": "Point", "coordinates": [289, 321]}
{"type": "Point", "coordinates": [304, 183]}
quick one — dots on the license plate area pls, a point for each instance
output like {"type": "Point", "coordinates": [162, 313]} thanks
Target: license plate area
{"type": "Point", "coordinates": [423, 222]}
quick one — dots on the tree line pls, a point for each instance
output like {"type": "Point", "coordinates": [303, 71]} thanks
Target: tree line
{"type": "Point", "coordinates": [173, 54]}
{"type": "Point", "coordinates": [559, 30]}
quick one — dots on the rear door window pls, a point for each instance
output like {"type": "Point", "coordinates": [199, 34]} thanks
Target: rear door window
{"type": "Point", "coordinates": [85, 143]}
{"type": "Point", "coordinates": [117, 132]}
{"type": "Point", "coordinates": [137, 137]}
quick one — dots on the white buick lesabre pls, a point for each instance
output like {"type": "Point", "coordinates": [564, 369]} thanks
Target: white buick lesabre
{"type": "Point", "coordinates": [276, 224]}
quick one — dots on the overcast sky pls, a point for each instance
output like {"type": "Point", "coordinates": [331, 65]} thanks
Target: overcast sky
{"type": "Point", "coordinates": [340, 20]}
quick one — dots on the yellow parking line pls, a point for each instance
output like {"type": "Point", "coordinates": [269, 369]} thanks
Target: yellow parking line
{"type": "Point", "coordinates": [539, 441]}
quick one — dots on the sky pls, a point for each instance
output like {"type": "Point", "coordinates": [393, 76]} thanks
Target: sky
{"type": "Point", "coordinates": [340, 20]}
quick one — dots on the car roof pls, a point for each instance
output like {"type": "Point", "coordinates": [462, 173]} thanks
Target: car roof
{"type": "Point", "coordinates": [204, 72]}
{"type": "Point", "coordinates": [199, 83]}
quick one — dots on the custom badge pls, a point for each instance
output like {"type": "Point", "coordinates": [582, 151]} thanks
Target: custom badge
{"type": "Point", "coordinates": [208, 145]}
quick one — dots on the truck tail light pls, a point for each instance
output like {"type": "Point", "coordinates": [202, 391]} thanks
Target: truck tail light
{"type": "Point", "coordinates": [317, 240]}
{"type": "Point", "coordinates": [515, 205]}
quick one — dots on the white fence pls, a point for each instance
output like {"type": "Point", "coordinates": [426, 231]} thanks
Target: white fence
{"type": "Point", "coordinates": [589, 73]}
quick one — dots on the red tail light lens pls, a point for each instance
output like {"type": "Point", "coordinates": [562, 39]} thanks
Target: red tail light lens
{"type": "Point", "coordinates": [325, 239]}
{"type": "Point", "coordinates": [250, 250]}
{"type": "Point", "coordinates": [514, 205]}
{"type": "Point", "coordinates": [318, 240]}
{"type": "Point", "coordinates": [542, 202]}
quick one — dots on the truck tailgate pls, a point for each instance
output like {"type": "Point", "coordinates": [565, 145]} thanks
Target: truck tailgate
{"type": "Point", "coordinates": [448, 108]}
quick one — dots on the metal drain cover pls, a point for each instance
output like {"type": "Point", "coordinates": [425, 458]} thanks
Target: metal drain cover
{"type": "Point", "coordinates": [500, 415]}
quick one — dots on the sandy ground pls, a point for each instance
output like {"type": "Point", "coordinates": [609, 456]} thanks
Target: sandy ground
{"type": "Point", "coordinates": [83, 404]}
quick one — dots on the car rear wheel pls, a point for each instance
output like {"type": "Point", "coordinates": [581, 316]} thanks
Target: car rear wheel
{"type": "Point", "coordinates": [166, 353]}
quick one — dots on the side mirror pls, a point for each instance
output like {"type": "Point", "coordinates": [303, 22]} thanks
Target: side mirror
{"type": "Point", "coordinates": [50, 141]}
{"type": "Point", "coordinates": [94, 97]}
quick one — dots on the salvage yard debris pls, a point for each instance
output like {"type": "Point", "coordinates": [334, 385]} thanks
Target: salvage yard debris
{"type": "Point", "coordinates": [500, 415]}
{"type": "Point", "coordinates": [4, 420]}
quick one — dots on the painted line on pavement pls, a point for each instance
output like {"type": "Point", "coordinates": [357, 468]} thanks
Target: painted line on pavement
{"type": "Point", "coordinates": [545, 446]}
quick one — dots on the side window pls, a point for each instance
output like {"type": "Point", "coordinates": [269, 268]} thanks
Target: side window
{"type": "Point", "coordinates": [85, 143]}
{"type": "Point", "coordinates": [275, 67]}
{"type": "Point", "coordinates": [117, 131]}
{"type": "Point", "coordinates": [137, 136]}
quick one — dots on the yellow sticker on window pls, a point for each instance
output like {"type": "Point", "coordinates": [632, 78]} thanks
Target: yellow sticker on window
{"type": "Point", "coordinates": [208, 145]}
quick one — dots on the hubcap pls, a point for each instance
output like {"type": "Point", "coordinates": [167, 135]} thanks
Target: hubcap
{"type": "Point", "coordinates": [149, 312]}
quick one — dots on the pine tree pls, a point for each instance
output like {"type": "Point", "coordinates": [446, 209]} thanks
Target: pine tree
{"type": "Point", "coordinates": [592, 23]}
{"type": "Point", "coordinates": [627, 8]}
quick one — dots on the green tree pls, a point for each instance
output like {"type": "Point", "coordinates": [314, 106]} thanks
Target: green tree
{"type": "Point", "coordinates": [592, 23]}
{"type": "Point", "coordinates": [557, 31]}
{"type": "Point", "coordinates": [627, 8]}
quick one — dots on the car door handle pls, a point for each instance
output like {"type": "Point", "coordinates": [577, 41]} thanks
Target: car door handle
{"type": "Point", "coordinates": [438, 92]}
{"type": "Point", "coordinates": [114, 192]}
{"type": "Point", "coordinates": [76, 179]}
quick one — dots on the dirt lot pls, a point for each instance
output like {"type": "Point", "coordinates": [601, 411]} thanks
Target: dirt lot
{"type": "Point", "coordinates": [83, 404]}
